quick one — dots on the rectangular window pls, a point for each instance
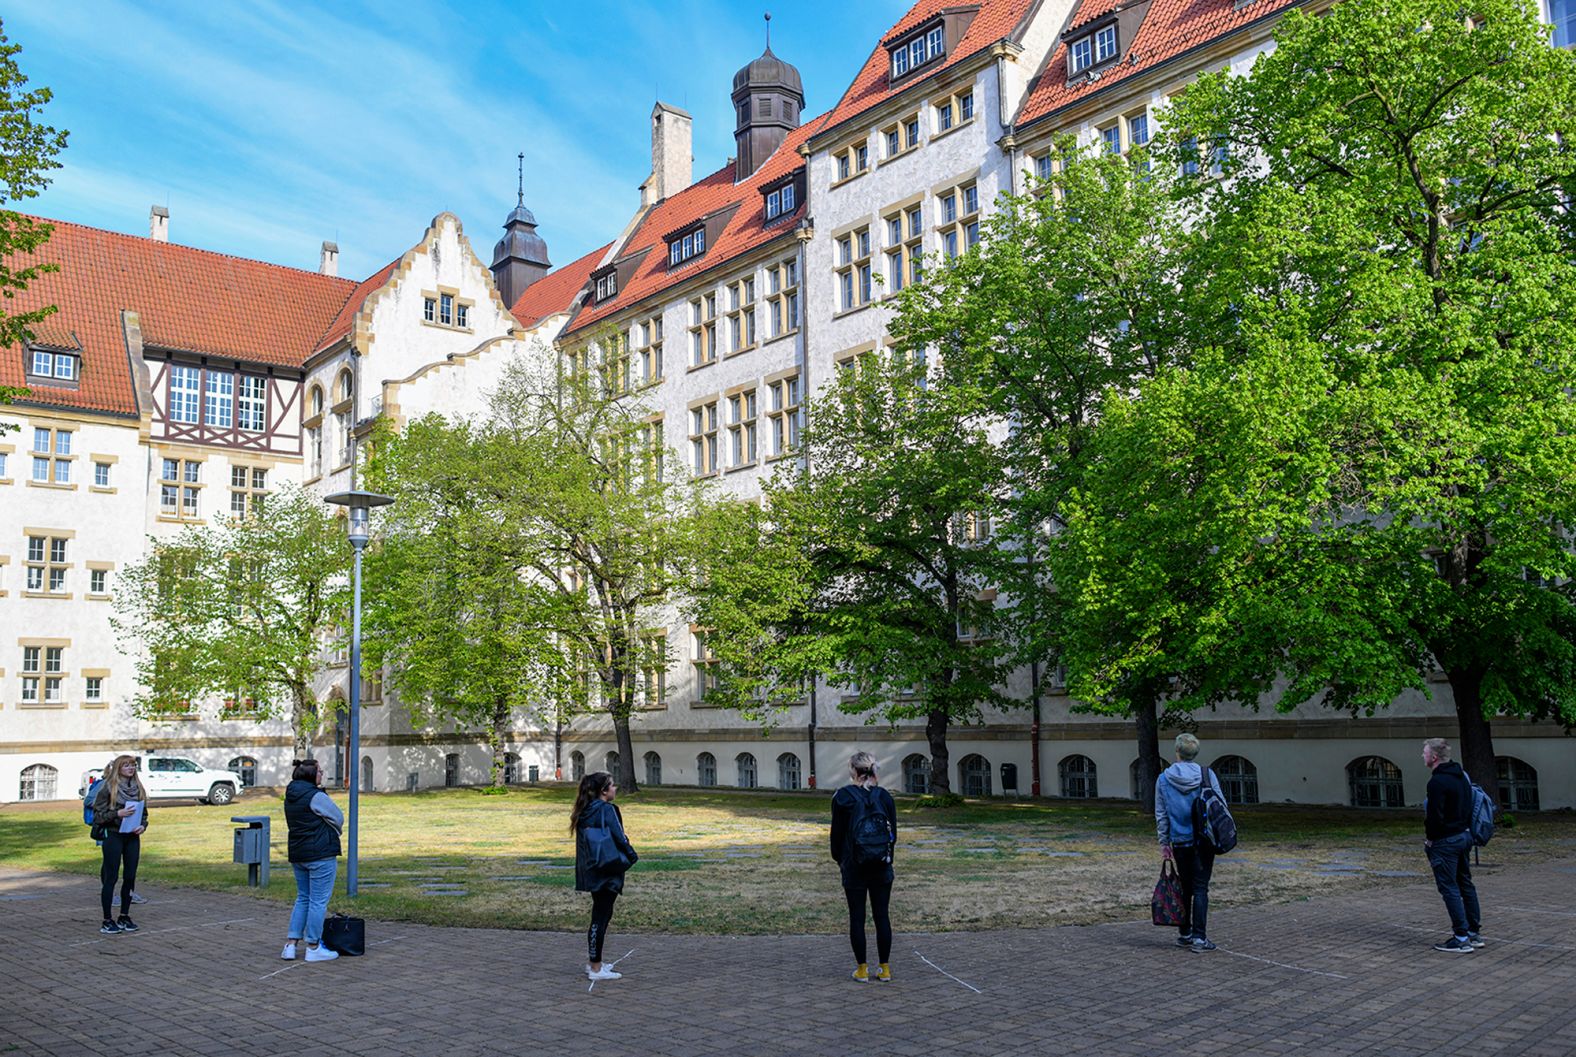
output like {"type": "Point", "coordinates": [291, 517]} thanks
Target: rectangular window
{"type": "Point", "coordinates": [248, 487]}
{"type": "Point", "coordinates": [429, 310]}
{"type": "Point", "coordinates": [894, 144]}
{"type": "Point", "coordinates": [40, 469]}
{"type": "Point", "coordinates": [911, 132]}
{"type": "Point", "coordinates": [43, 363]}
{"type": "Point", "coordinates": [98, 580]}
{"type": "Point", "coordinates": [253, 402]}
{"type": "Point", "coordinates": [1042, 166]}
{"type": "Point", "coordinates": [95, 688]}
{"type": "Point", "coordinates": [966, 106]}
{"type": "Point", "coordinates": [462, 315]}
{"type": "Point", "coordinates": [959, 228]}
{"type": "Point", "coordinates": [854, 277]}
{"type": "Point", "coordinates": [101, 475]}
{"type": "Point", "coordinates": [218, 405]}
{"type": "Point", "coordinates": [742, 428]}
{"type": "Point", "coordinates": [1562, 13]}
{"type": "Point", "coordinates": [782, 300]}
{"type": "Point", "coordinates": [46, 563]}
{"type": "Point", "coordinates": [1111, 137]}
{"type": "Point", "coordinates": [184, 394]}
{"type": "Point", "coordinates": [782, 414]}
{"type": "Point", "coordinates": [703, 439]}
{"type": "Point", "coordinates": [180, 484]}
{"type": "Point", "coordinates": [1080, 55]}
{"type": "Point", "coordinates": [1105, 44]}
{"type": "Point", "coordinates": [650, 351]}
{"type": "Point", "coordinates": [689, 245]}
{"type": "Point", "coordinates": [944, 116]}
{"type": "Point", "coordinates": [446, 308]}
{"type": "Point", "coordinates": [1138, 129]}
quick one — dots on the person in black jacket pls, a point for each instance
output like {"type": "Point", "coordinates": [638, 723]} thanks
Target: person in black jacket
{"type": "Point", "coordinates": [121, 802]}
{"type": "Point", "coordinates": [861, 811]}
{"type": "Point", "coordinates": [594, 821]}
{"type": "Point", "coordinates": [315, 822]}
{"type": "Point", "coordinates": [1447, 825]}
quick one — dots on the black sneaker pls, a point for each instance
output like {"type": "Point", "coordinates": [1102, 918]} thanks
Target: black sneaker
{"type": "Point", "coordinates": [109, 928]}
{"type": "Point", "coordinates": [1455, 946]}
{"type": "Point", "coordinates": [1184, 941]}
{"type": "Point", "coordinates": [1476, 940]}
{"type": "Point", "coordinates": [1200, 945]}
{"type": "Point", "coordinates": [126, 924]}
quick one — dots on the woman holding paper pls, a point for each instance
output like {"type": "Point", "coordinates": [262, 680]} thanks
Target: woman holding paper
{"type": "Point", "coordinates": [120, 810]}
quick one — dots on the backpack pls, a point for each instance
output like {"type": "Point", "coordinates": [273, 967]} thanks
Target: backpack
{"type": "Point", "coordinates": [870, 835]}
{"type": "Point", "coordinates": [87, 801]}
{"type": "Point", "coordinates": [1212, 821]}
{"type": "Point", "coordinates": [1484, 809]}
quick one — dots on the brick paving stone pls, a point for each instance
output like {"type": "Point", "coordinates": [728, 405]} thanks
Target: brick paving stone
{"type": "Point", "coordinates": [1337, 975]}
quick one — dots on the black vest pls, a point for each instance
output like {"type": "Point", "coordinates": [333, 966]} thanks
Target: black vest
{"type": "Point", "coordinates": [311, 836]}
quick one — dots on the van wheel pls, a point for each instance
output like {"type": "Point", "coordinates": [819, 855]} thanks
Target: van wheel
{"type": "Point", "coordinates": [221, 794]}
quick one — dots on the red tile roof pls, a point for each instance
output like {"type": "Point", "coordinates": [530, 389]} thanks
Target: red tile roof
{"type": "Point", "coordinates": [1169, 29]}
{"type": "Point", "coordinates": [555, 292]}
{"type": "Point", "coordinates": [1089, 11]}
{"type": "Point", "coordinates": [185, 298]}
{"type": "Point", "coordinates": [745, 230]}
{"type": "Point", "coordinates": [995, 21]}
{"type": "Point", "coordinates": [345, 320]}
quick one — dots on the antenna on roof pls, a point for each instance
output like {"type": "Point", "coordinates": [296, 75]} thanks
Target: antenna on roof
{"type": "Point", "coordinates": [520, 200]}
{"type": "Point", "coordinates": [768, 31]}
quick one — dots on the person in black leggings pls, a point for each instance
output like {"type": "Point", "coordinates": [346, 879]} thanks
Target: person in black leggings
{"type": "Point", "coordinates": [120, 796]}
{"type": "Point", "coordinates": [594, 811]}
{"type": "Point", "coordinates": [864, 833]}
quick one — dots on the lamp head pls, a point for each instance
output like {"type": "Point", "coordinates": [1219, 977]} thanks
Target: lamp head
{"type": "Point", "coordinates": [359, 504]}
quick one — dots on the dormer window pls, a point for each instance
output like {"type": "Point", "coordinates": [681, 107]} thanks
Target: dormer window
{"type": "Point", "coordinates": [606, 286]}
{"type": "Point", "coordinates": [57, 366]}
{"type": "Point", "coordinates": [780, 201]}
{"type": "Point", "coordinates": [1093, 50]}
{"type": "Point", "coordinates": [689, 245]}
{"type": "Point", "coordinates": [913, 52]}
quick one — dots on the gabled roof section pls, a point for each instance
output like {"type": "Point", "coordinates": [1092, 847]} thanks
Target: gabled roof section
{"type": "Point", "coordinates": [185, 298]}
{"type": "Point", "coordinates": [745, 229]}
{"type": "Point", "coordinates": [1170, 29]}
{"type": "Point", "coordinates": [1089, 11]}
{"type": "Point", "coordinates": [996, 20]}
{"type": "Point", "coordinates": [555, 292]}
{"type": "Point", "coordinates": [345, 320]}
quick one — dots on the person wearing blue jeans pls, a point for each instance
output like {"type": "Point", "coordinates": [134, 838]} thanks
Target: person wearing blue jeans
{"type": "Point", "coordinates": [1447, 831]}
{"type": "Point", "coordinates": [1176, 791]}
{"type": "Point", "coordinates": [315, 822]}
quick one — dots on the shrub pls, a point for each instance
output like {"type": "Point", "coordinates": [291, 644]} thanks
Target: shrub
{"type": "Point", "coordinates": [940, 800]}
{"type": "Point", "coordinates": [494, 790]}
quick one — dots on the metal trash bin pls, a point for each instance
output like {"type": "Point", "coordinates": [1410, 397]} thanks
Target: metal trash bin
{"type": "Point", "coordinates": [533, 773]}
{"type": "Point", "coordinates": [251, 847]}
{"type": "Point", "coordinates": [1009, 777]}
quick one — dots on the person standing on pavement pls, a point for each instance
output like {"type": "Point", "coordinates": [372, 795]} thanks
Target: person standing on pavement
{"type": "Point", "coordinates": [92, 794]}
{"type": "Point", "coordinates": [1447, 832]}
{"type": "Point", "coordinates": [121, 802]}
{"type": "Point", "coordinates": [315, 823]}
{"type": "Point", "coordinates": [594, 820]}
{"type": "Point", "coordinates": [1176, 791]}
{"type": "Point", "coordinates": [864, 834]}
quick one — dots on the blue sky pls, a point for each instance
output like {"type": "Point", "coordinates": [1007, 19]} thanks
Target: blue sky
{"type": "Point", "coordinates": [271, 125]}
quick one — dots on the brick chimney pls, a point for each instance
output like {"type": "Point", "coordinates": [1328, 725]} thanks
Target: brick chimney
{"type": "Point", "coordinates": [328, 264]}
{"type": "Point", "coordinates": [159, 224]}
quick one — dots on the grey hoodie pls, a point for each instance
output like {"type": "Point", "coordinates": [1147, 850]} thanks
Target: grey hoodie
{"type": "Point", "coordinates": [1175, 790]}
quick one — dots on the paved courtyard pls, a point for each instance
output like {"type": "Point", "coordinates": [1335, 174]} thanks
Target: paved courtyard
{"type": "Point", "coordinates": [1351, 974]}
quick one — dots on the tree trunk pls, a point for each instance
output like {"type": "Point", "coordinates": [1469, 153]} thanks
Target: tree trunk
{"type": "Point", "coordinates": [495, 737]}
{"type": "Point", "coordinates": [303, 721]}
{"type": "Point", "coordinates": [626, 756]}
{"type": "Point", "coordinates": [1475, 747]}
{"type": "Point", "coordinates": [940, 759]}
{"type": "Point", "coordinates": [1150, 763]}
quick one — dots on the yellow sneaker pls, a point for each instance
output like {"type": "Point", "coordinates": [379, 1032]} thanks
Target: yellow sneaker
{"type": "Point", "coordinates": [884, 974]}
{"type": "Point", "coordinates": [862, 974]}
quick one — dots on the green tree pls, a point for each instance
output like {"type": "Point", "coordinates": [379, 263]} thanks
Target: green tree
{"type": "Point", "coordinates": [241, 611]}
{"type": "Point", "coordinates": [27, 154]}
{"type": "Point", "coordinates": [455, 608]}
{"type": "Point", "coordinates": [873, 564]}
{"type": "Point", "coordinates": [1393, 220]}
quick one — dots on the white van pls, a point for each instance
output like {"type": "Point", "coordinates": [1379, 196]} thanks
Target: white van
{"type": "Point", "coordinates": [178, 778]}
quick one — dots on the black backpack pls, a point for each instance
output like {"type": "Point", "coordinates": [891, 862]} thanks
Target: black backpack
{"type": "Point", "coordinates": [1213, 826]}
{"type": "Point", "coordinates": [870, 835]}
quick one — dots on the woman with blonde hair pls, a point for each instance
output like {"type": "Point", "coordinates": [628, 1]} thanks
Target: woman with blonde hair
{"type": "Point", "coordinates": [120, 813]}
{"type": "Point", "coordinates": [864, 833]}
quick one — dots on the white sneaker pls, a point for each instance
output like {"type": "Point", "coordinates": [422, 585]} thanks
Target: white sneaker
{"type": "Point", "coordinates": [289, 953]}
{"type": "Point", "coordinates": [320, 953]}
{"type": "Point", "coordinates": [607, 972]}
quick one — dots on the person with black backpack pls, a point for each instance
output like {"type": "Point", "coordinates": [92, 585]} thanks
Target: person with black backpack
{"type": "Point", "coordinates": [864, 833]}
{"type": "Point", "coordinates": [1177, 793]}
{"type": "Point", "coordinates": [1447, 832]}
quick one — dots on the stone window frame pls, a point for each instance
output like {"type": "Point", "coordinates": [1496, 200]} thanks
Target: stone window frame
{"type": "Point", "coordinates": [43, 663]}
{"type": "Point", "coordinates": [705, 417]}
{"type": "Point", "coordinates": [52, 559]}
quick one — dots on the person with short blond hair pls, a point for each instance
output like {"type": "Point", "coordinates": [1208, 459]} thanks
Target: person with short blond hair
{"type": "Point", "coordinates": [1447, 832]}
{"type": "Point", "coordinates": [864, 834]}
{"type": "Point", "coordinates": [1176, 791]}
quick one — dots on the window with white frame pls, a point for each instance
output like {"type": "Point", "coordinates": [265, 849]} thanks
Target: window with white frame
{"type": "Point", "coordinates": [958, 222]}
{"type": "Point", "coordinates": [1111, 138]}
{"type": "Point", "coordinates": [905, 242]}
{"type": "Point", "coordinates": [248, 486]}
{"type": "Point", "coordinates": [606, 285]}
{"type": "Point", "coordinates": [913, 52]}
{"type": "Point", "coordinates": [782, 298]}
{"type": "Point", "coordinates": [617, 369]}
{"type": "Point", "coordinates": [3, 475]}
{"type": "Point", "coordinates": [649, 335]}
{"type": "Point", "coordinates": [741, 314]}
{"type": "Point", "coordinates": [854, 274]}
{"type": "Point", "coordinates": [742, 428]}
{"type": "Point", "coordinates": [705, 662]}
{"type": "Point", "coordinates": [185, 387]}
{"type": "Point", "coordinates": [98, 581]}
{"type": "Point", "coordinates": [43, 674]}
{"type": "Point", "coordinates": [955, 110]}
{"type": "Point", "coordinates": [100, 475]}
{"type": "Point", "coordinates": [652, 443]}
{"type": "Point", "coordinates": [780, 201]}
{"type": "Point", "coordinates": [1080, 54]}
{"type": "Point", "coordinates": [782, 413]}
{"type": "Point", "coordinates": [46, 565]}
{"type": "Point", "coordinates": [902, 136]}
{"type": "Point", "coordinates": [851, 161]}
{"type": "Point", "coordinates": [39, 781]}
{"type": "Point", "coordinates": [689, 245]}
{"type": "Point", "coordinates": [59, 367]}
{"type": "Point", "coordinates": [180, 487]}
{"type": "Point", "coordinates": [703, 330]}
{"type": "Point", "coordinates": [52, 456]}
{"type": "Point", "coordinates": [1105, 44]}
{"type": "Point", "coordinates": [219, 399]}
{"type": "Point", "coordinates": [93, 689]}
{"type": "Point", "coordinates": [252, 403]}
{"type": "Point", "coordinates": [703, 439]}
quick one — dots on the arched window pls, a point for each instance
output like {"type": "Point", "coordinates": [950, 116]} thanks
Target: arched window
{"type": "Point", "coordinates": [610, 762]}
{"type": "Point", "coordinates": [1518, 784]}
{"type": "Point", "coordinates": [746, 764]}
{"type": "Point", "coordinates": [577, 765]}
{"type": "Point", "coordinates": [451, 770]}
{"type": "Point", "coordinates": [366, 774]}
{"type": "Point", "coordinates": [1239, 779]}
{"type": "Point", "coordinates": [246, 767]}
{"type": "Point", "coordinates": [317, 400]}
{"type": "Point", "coordinates": [1375, 782]}
{"type": "Point", "coordinates": [38, 782]}
{"type": "Point", "coordinates": [706, 769]}
{"type": "Point", "coordinates": [974, 775]}
{"type": "Point", "coordinates": [916, 774]}
{"type": "Point", "coordinates": [511, 768]}
{"type": "Point", "coordinates": [344, 387]}
{"type": "Point", "coordinates": [1078, 779]}
{"type": "Point", "coordinates": [653, 769]}
{"type": "Point", "coordinates": [787, 771]}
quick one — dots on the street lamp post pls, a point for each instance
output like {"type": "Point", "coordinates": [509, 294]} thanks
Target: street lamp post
{"type": "Point", "coordinates": [359, 503]}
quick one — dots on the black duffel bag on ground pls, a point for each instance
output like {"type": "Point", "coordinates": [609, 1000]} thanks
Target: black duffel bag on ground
{"type": "Point", "coordinates": [345, 935]}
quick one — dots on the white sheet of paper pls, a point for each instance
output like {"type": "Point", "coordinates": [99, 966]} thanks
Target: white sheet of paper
{"type": "Point", "coordinates": [133, 820]}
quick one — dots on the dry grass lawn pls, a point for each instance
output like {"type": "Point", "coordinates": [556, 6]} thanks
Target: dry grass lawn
{"type": "Point", "coordinates": [735, 862]}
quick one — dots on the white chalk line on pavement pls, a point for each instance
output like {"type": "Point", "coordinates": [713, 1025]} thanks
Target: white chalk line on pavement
{"type": "Point", "coordinates": [1283, 965]}
{"type": "Point", "coordinates": [293, 964]}
{"type": "Point", "coordinates": [155, 932]}
{"type": "Point", "coordinates": [611, 964]}
{"type": "Point", "coordinates": [1539, 910]}
{"type": "Point", "coordinates": [1495, 941]}
{"type": "Point", "coordinates": [948, 975]}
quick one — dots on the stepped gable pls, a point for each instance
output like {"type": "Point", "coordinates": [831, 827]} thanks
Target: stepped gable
{"type": "Point", "coordinates": [185, 298]}
{"type": "Point", "coordinates": [1170, 30]}
{"type": "Point", "coordinates": [555, 292]}
{"type": "Point", "coordinates": [994, 21]}
{"type": "Point", "coordinates": [345, 320]}
{"type": "Point", "coordinates": [746, 228]}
